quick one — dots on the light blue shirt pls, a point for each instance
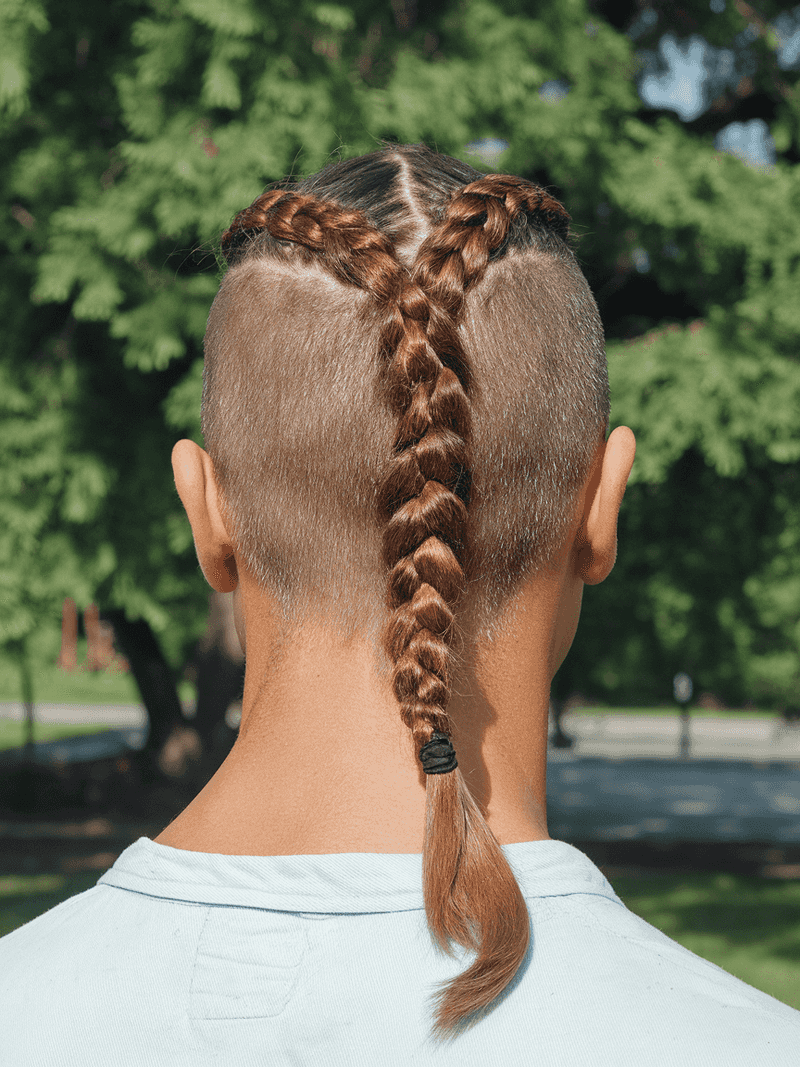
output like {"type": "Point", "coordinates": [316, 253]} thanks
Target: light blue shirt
{"type": "Point", "coordinates": [191, 959]}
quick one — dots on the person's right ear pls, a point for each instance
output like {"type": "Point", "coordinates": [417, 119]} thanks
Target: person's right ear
{"type": "Point", "coordinates": [597, 537]}
{"type": "Point", "coordinates": [197, 487]}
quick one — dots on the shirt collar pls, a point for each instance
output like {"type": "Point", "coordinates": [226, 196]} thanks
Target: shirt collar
{"type": "Point", "coordinates": [350, 882]}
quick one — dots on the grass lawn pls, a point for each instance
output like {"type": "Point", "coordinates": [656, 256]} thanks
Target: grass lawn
{"type": "Point", "coordinates": [748, 926]}
{"type": "Point", "coordinates": [54, 686]}
{"type": "Point", "coordinates": [12, 733]}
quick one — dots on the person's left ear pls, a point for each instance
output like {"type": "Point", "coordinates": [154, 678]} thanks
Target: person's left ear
{"type": "Point", "coordinates": [197, 487]}
{"type": "Point", "coordinates": [596, 542]}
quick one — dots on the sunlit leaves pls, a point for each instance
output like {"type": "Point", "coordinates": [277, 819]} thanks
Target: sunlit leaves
{"type": "Point", "coordinates": [47, 492]}
{"type": "Point", "coordinates": [707, 386]}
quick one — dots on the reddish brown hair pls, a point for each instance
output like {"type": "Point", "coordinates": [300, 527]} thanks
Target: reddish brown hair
{"type": "Point", "coordinates": [405, 384]}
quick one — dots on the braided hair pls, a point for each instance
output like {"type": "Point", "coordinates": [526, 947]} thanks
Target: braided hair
{"type": "Point", "coordinates": [416, 253]}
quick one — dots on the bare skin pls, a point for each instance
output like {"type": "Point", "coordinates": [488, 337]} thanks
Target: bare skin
{"type": "Point", "coordinates": [323, 763]}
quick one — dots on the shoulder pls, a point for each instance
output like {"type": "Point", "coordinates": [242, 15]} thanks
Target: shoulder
{"type": "Point", "coordinates": [25, 945]}
{"type": "Point", "coordinates": [649, 957]}
{"type": "Point", "coordinates": [600, 985]}
{"type": "Point", "coordinates": [100, 927]}
{"type": "Point", "coordinates": [87, 973]}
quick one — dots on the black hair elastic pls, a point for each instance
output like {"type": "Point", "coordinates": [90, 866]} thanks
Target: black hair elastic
{"type": "Point", "coordinates": [438, 756]}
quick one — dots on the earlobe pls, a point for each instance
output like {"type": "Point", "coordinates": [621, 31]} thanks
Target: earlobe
{"type": "Point", "coordinates": [597, 538]}
{"type": "Point", "coordinates": [196, 483]}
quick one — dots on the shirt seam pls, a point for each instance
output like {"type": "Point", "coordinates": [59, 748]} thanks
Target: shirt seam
{"type": "Point", "coordinates": [299, 909]}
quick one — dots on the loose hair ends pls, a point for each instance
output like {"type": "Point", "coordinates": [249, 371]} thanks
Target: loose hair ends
{"type": "Point", "coordinates": [472, 898]}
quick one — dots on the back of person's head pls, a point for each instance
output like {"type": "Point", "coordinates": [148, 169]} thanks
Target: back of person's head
{"type": "Point", "coordinates": [405, 388]}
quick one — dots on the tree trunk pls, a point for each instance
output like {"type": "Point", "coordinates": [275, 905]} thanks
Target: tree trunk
{"type": "Point", "coordinates": [26, 687]}
{"type": "Point", "coordinates": [68, 657]}
{"type": "Point", "coordinates": [560, 739]}
{"type": "Point", "coordinates": [560, 691]}
{"type": "Point", "coordinates": [152, 674]}
{"type": "Point", "coordinates": [220, 673]}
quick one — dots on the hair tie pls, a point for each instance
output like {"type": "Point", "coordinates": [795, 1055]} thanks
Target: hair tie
{"type": "Point", "coordinates": [438, 756]}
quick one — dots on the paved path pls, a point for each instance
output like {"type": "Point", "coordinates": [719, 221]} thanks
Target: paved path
{"type": "Point", "coordinates": [622, 780]}
{"type": "Point", "coordinates": [127, 728]}
{"type": "Point", "coordinates": [601, 799]}
{"type": "Point", "coordinates": [737, 737]}
{"type": "Point", "coordinates": [79, 714]}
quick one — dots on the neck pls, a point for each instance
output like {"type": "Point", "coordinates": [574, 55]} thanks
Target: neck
{"type": "Point", "coordinates": [324, 764]}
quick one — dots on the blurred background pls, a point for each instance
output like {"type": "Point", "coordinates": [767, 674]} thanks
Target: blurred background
{"type": "Point", "coordinates": [131, 131]}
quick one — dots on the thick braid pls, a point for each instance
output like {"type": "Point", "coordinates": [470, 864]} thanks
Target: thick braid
{"type": "Point", "coordinates": [426, 494]}
{"type": "Point", "coordinates": [424, 500]}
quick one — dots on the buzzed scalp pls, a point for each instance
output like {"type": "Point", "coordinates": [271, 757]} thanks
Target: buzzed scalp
{"type": "Point", "coordinates": [299, 439]}
{"type": "Point", "coordinates": [296, 422]}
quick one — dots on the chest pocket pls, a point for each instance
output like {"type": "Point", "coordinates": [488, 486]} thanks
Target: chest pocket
{"type": "Point", "coordinates": [248, 963]}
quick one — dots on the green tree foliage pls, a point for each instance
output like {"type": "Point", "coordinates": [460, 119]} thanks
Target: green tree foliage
{"type": "Point", "coordinates": [131, 132]}
{"type": "Point", "coordinates": [704, 368]}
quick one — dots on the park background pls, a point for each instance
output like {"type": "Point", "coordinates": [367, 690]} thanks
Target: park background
{"type": "Point", "coordinates": [132, 131]}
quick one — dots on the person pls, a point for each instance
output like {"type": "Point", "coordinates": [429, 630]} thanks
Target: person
{"type": "Point", "coordinates": [406, 486]}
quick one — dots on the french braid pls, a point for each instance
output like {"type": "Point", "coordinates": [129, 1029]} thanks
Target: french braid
{"type": "Point", "coordinates": [426, 496]}
{"type": "Point", "coordinates": [426, 493]}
